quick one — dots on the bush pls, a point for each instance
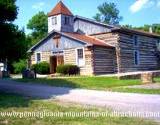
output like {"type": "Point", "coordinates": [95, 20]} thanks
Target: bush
{"type": "Point", "coordinates": [68, 69]}
{"type": "Point", "coordinates": [19, 66]}
{"type": "Point", "coordinates": [41, 68]}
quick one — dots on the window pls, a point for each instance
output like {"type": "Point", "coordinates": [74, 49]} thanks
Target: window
{"type": "Point", "coordinates": [80, 53]}
{"type": "Point", "coordinates": [135, 40]}
{"type": "Point", "coordinates": [66, 21]}
{"type": "Point", "coordinates": [57, 42]}
{"type": "Point", "coordinates": [54, 20]}
{"type": "Point", "coordinates": [136, 57]}
{"type": "Point", "coordinates": [80, 57]}
{"type": "Point", "coordinates": [158, 45]}
{"type": "Point", "coordinates": [38, 57]}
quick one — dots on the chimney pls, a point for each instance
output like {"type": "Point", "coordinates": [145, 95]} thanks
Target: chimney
{"type": "Point", "coordinates": [150, 29]}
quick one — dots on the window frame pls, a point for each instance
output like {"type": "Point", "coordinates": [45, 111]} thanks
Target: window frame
{"type": "Point", "coordinates": [36, 57]}
{"type": "Point", "coordinates": [56, 41]}
{"type": "Point", "coordinates": [77, 63]}
{"type": "Point", "coordinates": [136, 57]}
{"type": "Point", "coordinates": [54, 20]}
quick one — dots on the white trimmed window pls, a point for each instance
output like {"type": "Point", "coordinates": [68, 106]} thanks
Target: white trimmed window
{"type": "Point", "coordinates": [80, 57]}
{"type": "Point", "coordinates": [38, 57]}
{"type": "Point", "coordinates": [54, 20]}
{"type": "Point", "coordinates": [136, 57]}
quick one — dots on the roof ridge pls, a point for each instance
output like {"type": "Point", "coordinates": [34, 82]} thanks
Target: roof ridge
{"type": "Point", "coordinates": [60, 8]}
{"type": "Point", "coordinates": [92, 20]}
{"type": "Point", "coordinates": [99, 40]}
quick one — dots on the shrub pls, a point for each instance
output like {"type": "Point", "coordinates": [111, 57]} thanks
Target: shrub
{"type": "Point", "coordinates": [19, 66]}
{"type": "Point", "coordinates": [67, 69]}
{"type": "Point", "coordinates": [41, 68]}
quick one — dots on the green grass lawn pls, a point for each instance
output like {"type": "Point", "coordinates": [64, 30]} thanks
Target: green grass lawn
{"type": "Point", "coordinates": [97, 83]}
{"type": "Point", "coordinates": [139, 90]}
{"type": "Point", "coordinates": [100, 83]}
{"type": "Point", "coordinates": [11, 102]}
{"type": "Point", "coordinates": [136, 90]}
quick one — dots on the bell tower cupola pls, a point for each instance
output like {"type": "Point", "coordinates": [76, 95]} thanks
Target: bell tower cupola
{"type": "Point", "coordinates": [60, 19]}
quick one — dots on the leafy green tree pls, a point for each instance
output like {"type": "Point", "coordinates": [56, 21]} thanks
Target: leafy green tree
{"type": "Point", "coordinates": [39, 26]}
{"type": "Point", "coordinates": [13, 44]}
{"type": "Point", "coordinates": [108, 13]}
{"type": "Point", "coordinates": [127, 26]}
{"type": "Point", "coordinates": [8, 10]}
{"type": "Point", "coordinates": [20, 66]}
{"type": "Point", "coordinates": [155, 28]}
{"type": "Point", "coordinates": [144, 28]}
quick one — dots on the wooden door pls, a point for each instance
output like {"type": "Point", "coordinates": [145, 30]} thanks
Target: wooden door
{"type": "Point", "coordinates": [60, 60]}
{"type": "Point", "coordinates": [53, 64]}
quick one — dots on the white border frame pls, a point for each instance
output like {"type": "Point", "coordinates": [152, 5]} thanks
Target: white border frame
{"type": "Point", "coordinates": [36, 57]}
{"type": "Point", "coordinates": [54, 17]}
{"type": "Point", "coordinates": [83, 56]}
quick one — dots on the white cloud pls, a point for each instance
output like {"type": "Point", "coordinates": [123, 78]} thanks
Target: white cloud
{"type": "Point", "coordinates": [138, 5]}
{"type": "Point", "coordinates": [38, 6]}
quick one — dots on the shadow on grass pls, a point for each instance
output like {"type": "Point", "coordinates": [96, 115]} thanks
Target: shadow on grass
{"type": "Point", "coordinates": [36, 91]}
{"type": "Point", "coordinates": [8, 100]}
{"type": "Point", "coordinates": [56, 82]}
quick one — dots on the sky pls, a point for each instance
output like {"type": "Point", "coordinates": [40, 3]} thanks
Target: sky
{"type": "Point", "coordinates": [134, 12]}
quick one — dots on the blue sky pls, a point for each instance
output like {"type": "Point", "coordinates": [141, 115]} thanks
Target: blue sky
{"type": "Point", "coordinates": [134, 12]}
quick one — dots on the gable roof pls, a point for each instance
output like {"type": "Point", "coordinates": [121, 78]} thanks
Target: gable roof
{"type": "Point", "coordinates": [60, 8]}
{"type": "Point", "coordinates": [126, 30]}
{"type": "Point", "coordinates": [88, 40]}
{"type": "Point", "coordinates": [93, 21]}
{"type": "Point", "coordinates": [140, 32]}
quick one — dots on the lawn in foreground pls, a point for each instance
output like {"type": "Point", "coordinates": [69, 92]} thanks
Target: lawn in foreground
{"type": "Point", "coordinates": [136, 90]}
{"type": "Point", "coordinates": [10, 102]}
{"type": "Point", "coordinates": [99, 83]}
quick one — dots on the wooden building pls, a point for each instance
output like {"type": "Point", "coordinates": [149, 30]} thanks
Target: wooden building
{"type": "Point", "coordinates": [95, 47]}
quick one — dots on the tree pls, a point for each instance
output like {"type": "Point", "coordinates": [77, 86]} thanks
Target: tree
{"type": "Point", "coordinates": [39, 26]}
{"type": "Point", "coordinates": [13, 44]}
{"type": "Point", "coordinates": [8, 10]}
{"type": "Point", "coordinates": [108, 13]}
{"type": "Point", "coordinates": [127, 26]}
{"type": "Point", "coordinates": [146, 27]}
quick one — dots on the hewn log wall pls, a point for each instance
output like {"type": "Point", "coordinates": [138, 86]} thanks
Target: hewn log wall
{"type": "Point", "coordinates": [124, 44]}
{"type": "Point", "coordinates": [112, 40]}
{"type": "Point", "coordinates": [104, 60]}
{"type": "Point", "coordinates": [45, 56]}
{"type": "Point", "coordinates": [147, 49]}
{"type": "Point", "coordinates": [70, 58]}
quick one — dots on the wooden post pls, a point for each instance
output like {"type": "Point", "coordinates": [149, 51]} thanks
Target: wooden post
{"type": "Point", "coordinates": [147, 78]}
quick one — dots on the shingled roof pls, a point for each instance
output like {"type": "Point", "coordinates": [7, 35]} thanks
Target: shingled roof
{"type": "Point", "coordinates": [87, 39]}
{"type": "Point", "coordinates": [60, 8]}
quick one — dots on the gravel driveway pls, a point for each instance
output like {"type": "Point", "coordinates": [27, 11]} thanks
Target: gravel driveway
{"type": "Point", "coordinates": [114, 100]}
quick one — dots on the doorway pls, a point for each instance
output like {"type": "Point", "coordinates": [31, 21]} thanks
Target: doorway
{"type": "Point", "coordinates": [54, 62]}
